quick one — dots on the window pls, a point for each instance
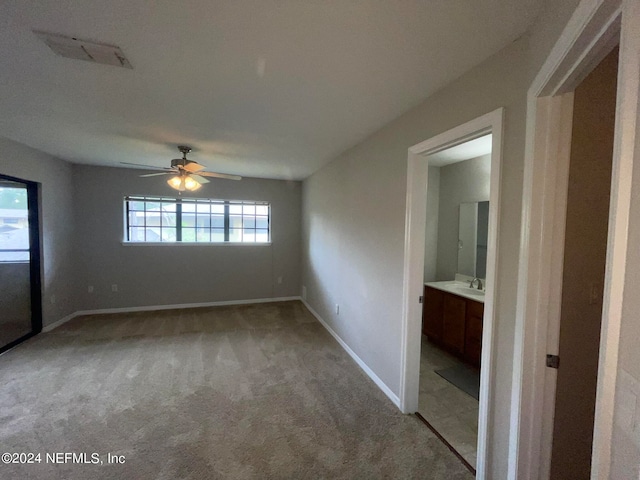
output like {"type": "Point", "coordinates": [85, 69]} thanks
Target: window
{"type": "Point", "coordinates": [14, 223]}
{"type": "Point", "coordinates": [161, 219]}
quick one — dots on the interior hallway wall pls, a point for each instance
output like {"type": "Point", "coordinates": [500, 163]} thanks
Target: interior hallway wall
{"type": "Point", "coordinates": [354, 217]}
{"type": "Point", "coordinates": [354, 224]}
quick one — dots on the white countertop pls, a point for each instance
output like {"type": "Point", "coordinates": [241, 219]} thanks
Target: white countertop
{"type": "Point", "coordinates": [459, 288]}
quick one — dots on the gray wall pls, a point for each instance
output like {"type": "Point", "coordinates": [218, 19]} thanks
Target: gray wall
{"type": "Point", "coordinates": [354, 217]}
{"type": "Point", "coordinates": [460, 182]}
{"type": "Point", "coordinates": [431, 227]}
{"type": "Point", "coordinates": [57, 222]}
{"type": "Point", "coordinates": [82, 232]}
{"type": "Point", "coordinates": [354, 224]}
{"type": "Point", "coordinates": [175, 274]}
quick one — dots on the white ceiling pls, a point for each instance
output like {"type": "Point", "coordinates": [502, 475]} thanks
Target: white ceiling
{"type": "Point", "coordinates": [459, 153]}
{"type": "Point", "coordinates": [263, 88]}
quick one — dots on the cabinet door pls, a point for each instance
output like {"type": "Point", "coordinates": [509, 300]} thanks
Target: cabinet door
{"type": "Point", "coordinates": [453, 320]}
{"type": "Point", "coordinates": [473, 334]}
{"type": "Point", "coordinates": [432, 313]}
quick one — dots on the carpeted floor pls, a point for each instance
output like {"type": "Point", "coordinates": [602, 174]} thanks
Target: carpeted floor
{"type": "Point", "coordinates": [242, 392]}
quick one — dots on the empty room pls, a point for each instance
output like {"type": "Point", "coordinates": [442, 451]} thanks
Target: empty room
{"type": "Point", "coordinates": [278, 239]}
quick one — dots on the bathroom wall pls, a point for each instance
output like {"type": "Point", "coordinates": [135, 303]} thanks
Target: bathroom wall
{"type": "Point", "coordinates": [461, 182]}
{"type": "Point", "coordinates": [431, 236]}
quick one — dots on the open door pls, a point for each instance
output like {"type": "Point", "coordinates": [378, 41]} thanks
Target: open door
{"type": "Point", "coordinates": [20, 302]}
{"type": "Point", "coordinates": [587, 220]}
{"type": "Point", "coordinates": [594, 29]}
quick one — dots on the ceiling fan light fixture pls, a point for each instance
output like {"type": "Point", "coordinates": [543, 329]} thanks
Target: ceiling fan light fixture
{"type": "Point", "coordinates": [177, 182]}
{"type": "Point", "coordinates": [185, 174]}
{"type": "Point", "coordinates": [184, 182]}
{"type": "Point", "coordinates": [191, 184]}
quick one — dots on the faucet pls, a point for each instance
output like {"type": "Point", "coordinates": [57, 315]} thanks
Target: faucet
{"type": "Point", "coordinates": [474, 281]}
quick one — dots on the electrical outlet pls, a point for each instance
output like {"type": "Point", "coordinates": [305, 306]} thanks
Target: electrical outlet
{"type": "Point", "coordinates": [114, 288]}
{"type": "Point", "coordinates": [304, 292]}
{"type": "Point", "coordinates": [337, 309]}
{"type": "Point", "coordinates": [279, 280]}
{"type": "Point", "coordinates": [53, 299]}
{"type": "Point", "coordinates": [90, 288]}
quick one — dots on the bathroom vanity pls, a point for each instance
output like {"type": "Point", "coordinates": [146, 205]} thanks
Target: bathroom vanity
{"type": "Point", "coordinates": [452, 318]}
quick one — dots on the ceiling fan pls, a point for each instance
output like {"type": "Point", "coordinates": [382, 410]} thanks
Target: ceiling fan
{"type": "Point", "coordinates": [187, 174]}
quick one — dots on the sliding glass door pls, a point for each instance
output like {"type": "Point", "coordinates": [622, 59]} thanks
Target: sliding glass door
{"type": "Point", "coordinates": [20, 297]}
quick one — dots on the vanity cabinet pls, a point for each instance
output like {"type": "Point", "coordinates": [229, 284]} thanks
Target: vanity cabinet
{"type": "Point", "coordinates": [432, 313]}
{"type": "Point", "coordinates": [473, 332]}
{"type": "Point", "coordinates": [454, 323]}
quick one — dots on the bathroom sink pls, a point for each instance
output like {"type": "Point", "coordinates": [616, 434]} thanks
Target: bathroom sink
{"type": "Point", "coordinates": [460, 288]}
{"type": "Point", "coordinates": [467, 291]}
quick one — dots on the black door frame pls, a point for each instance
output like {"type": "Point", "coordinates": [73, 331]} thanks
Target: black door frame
{"type": "Point", "coordinates": [33, 206]}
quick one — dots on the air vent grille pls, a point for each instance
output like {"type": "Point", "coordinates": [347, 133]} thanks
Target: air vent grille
{"type": "Point", "coordinates": [72, 47]}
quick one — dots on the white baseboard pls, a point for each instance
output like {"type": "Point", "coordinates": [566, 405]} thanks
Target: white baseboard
{"type": "Point", "coordinates": [381, 385]}
{"type": "Point", "coordinates": [151, 308]}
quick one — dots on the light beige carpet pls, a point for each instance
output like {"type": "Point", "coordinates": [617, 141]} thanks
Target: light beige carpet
{"type": "Point", "coordinates": [242, 392]}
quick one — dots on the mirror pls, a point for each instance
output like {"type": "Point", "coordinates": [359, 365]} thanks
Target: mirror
{"type": "Point", "coordinates": [473, 229]}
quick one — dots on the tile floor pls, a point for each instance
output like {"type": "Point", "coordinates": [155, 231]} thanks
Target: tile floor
{"type": "Point", "coordinates": [452, 412]}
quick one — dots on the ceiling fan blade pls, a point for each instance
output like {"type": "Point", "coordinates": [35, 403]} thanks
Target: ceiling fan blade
{"type": "Point", "coordinates": [220, 175]}
{"type": "Point", "coordinates": [155, 174]}
{"type": "Point", "coordinates": [192, 167]}
{"type": "Point", "coordinates": [198, 178]}
{"type": "Point", "coordinates": [146, 166]}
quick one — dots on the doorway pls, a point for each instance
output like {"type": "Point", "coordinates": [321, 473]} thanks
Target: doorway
{"type": "Point", "coordinates": [595, 28]}
{"type": "Point", "coordinates": [585, 248]}
{"type": "Point", "coordinates": [20, 303]}
{"type": "Point", "coordinates": [456, 241]}
{"type": "Point", "coordinates": [414, 262]}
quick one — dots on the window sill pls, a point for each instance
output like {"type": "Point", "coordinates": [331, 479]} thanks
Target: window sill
{"type": "Point", "coordinates": [195, 244]}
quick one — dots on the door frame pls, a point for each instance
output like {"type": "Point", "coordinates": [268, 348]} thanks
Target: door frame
{"type": "Point", "coordinates": [594, 29]}
{"type": "Point", "coordinates": [415, 224]}
{"type": "Point", "coordinates": [35, 271]}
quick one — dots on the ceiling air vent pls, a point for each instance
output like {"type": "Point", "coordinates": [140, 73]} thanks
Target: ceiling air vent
{"type": "Point", "coordinates": [72, 47]}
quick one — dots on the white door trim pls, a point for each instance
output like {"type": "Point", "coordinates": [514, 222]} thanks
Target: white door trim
{"type": "Point", "coordinates": [415, 224]}
{"type": "Point", "coordinates": [591, 32]}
